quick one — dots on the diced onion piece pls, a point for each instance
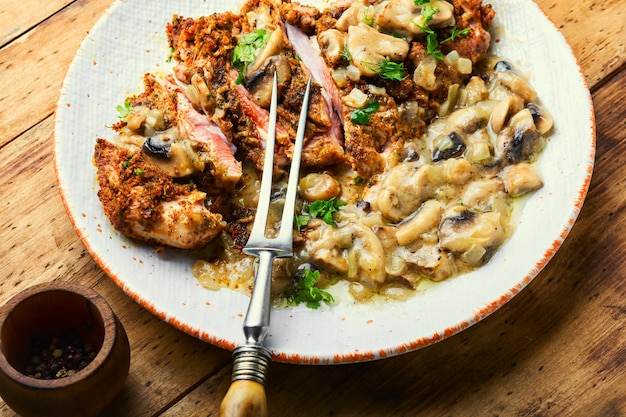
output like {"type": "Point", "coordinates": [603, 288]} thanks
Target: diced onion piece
{"type": "Point", "coordinates": [356, 99]}
{"type": "Point", "coordinates": [381, 91]}
{"type": "Point", "coordinates": [340, 76]}
{"type": "Point", "coordinates": [450, 102]}
{"type": "Point", "coordinates": [353, 73]}
{"type": "Point", "coordinates": [474, 255]}
{"type": "Point", "coordinates": [478, 152]}
{"type": "Point", "coordinates": [463, 65]}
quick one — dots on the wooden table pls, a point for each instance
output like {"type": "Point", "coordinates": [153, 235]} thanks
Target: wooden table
{"type": "Point", "coordinates": [557, 349]}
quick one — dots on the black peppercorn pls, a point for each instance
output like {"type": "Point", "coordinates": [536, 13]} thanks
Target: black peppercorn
{"type": "Point", "coordinates": [58, 357]}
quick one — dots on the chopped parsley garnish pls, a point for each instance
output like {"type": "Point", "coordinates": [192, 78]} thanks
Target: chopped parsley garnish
{"type": "Point", "coordinates": [171, 55]}
{"type": "Point", "coordinates": [428, 11]}
{"type": "Point", "coordinates": [139, 171]}
{"type": "Point", "coordinates": [322, 209]}
{"type": "Point", "coordinates": [362, 116]}
{"type": "Point", "coordinates": [432, 43]}
{"type": "Point", "coordinates": [247, 49]}
{"type": "Point", "coordinates": [301, 220]}
{"type": "Point", "coordinates": [368, 20]}
{"type": "Point", "coordinates": [306, 291]}
{"type": "Point", "coordinates": [387, 69]}
{"type": "Point", "coordinates": [345, 52]}
{"type": "Point", "coordinates": [124, 110]}
{"type": "Point", "coordinates": [456, 33]}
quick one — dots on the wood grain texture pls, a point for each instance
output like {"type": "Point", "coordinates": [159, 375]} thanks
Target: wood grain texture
{"type": "Point", "coordinates": [35, 64]}
{"type": "Point", "coordinates": [557, 349]}
{"type": "Point", "coordinates": [594, 30]}
{"type": "Point", "coordinates": [17, 20]}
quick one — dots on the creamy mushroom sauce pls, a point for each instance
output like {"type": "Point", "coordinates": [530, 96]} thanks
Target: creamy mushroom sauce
{"type": "Point", "coordinates": [444, 201]}
{"type": "Point", "coordinates": [441, 208]}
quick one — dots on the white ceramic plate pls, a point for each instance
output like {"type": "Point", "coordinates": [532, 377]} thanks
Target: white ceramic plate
{"type": "Point", "coordinates": [130, 40]}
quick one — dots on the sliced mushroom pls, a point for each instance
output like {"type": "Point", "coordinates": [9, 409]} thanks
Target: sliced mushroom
{"type": "Point", "coordinates": [174, 157]}
{"type": "Point", "coordinates": [332, 44]}
{"type": "Point", "coordinates": [444, 15]}
{"type": "Point", "coordinates": [448, 146]}
{"type": "Point", "coordinates": [368, 47]}
{"type": "Point", "coordinates": [543, 120]}
{"type": "Point", "coordinates": [353, 250]}
{"type": "Point", "coordinates": [357, 13]}
{"type": "Point", "coordinates": [403, 190]}
{"type": "Point", "coordinates": [430, 261]}
{"type": "Point", "coordinates": [273, 46]}
{"type": "Point", "coordinates": [468, 119]}
{"type": "Point", "coordinates": [486, 194]}
{"type": "Point", "coordinates": [457, 171]}
{"type": "Point", "coordinates": [323, 247]}
{"type": "Point", "coordinates": [365, 255]}
{"type": "Point", "coordinates": [462, 228]}
{"type": "Point", "coordinates": [521, 179]}
{"type": "Point", "coordinates": [260, 82]}
{"type": "Point", "coordinates": [404, 17]}
{"type": "Point", "coordinates": [499, 116]}
{"type": "Point", "coordinates": [319, 186]}
{"type": "Point", "coordinates": [502, 66]}
{"type": "Point", "coordinates": [517, 84]}
{"type": "Point", "coordinates": [425, 219]}
{"type": "Point", "coordinates": [519, 141]}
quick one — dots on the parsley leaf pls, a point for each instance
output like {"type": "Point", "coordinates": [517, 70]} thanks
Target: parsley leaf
{"type": "Point", "coordinates": [456, 33]}
{"type": "Point", "coordinates": [306, 291]}
{"type": "Point", "coordinates": [247, 49]}
{"type": "Point", "coordinates": [125, 110]}
{"type": "Point", "coordinates": [346, 53]}
{"type": "Point", "coordinates": [387, 69]}
{"type": "Point", "coordinates": [428, 12]}
{"type": "Point", "coordinates": [324, 209]}
{"type": "Point", "coordinates": [301, 220]}
{"type": "Point", "coordinates": [432, 45]}
{"type": "Point", "coordinates": [420, 2]}
{"type": "Point", "coordinates": [362, 116]}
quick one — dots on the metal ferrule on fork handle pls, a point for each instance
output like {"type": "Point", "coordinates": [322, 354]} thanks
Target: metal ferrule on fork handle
{"type": "Point", "coordinates": [250, 362]}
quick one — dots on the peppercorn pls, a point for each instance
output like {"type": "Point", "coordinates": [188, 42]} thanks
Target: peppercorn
{"type": "Point", "coordinates": [59, 356]}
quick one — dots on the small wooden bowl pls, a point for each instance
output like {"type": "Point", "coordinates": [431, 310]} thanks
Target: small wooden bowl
{"type": "Point", "coordinates": [51, 309]}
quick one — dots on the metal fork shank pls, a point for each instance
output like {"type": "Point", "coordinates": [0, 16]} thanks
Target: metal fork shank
{"type": "Point", "coordinates": [257, 320]}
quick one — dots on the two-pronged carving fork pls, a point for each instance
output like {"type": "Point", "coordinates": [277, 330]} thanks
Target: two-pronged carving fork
{"type": "Point", "coordinates": [246, 396]}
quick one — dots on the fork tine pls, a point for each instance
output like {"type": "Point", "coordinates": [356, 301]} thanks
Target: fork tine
{"type": "Point", "coordinates": [285, 234]}
{"type": "Point", "coordinates": [260, 219]}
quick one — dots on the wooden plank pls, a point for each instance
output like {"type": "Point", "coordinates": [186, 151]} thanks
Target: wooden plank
{"type": "Point", "coordinates": [19, 17]}
{"type": "Point", "coordinates": [594, 30]}
{"type": "Point", "coordinates": [40, 245]}
{"type": "Point", "coordinates": [30, 99]}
